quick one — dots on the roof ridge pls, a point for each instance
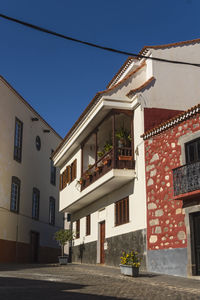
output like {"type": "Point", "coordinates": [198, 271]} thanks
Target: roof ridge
{"type": "Point", "coordinates": [182, 43]}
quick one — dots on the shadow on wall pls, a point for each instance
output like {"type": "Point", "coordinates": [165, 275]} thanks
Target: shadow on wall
{"type": "Point", "coordinates": [81, 251]}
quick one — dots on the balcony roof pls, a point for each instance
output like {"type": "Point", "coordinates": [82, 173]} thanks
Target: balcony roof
{"type": "Point", "coordinates": [99, 103]}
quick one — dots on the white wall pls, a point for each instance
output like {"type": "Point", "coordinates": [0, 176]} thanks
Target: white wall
{"type": "Point", "coordinates": [104, 208]}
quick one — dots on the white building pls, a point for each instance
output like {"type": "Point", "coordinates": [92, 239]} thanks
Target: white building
{"type": "Point", "coordinates": [29, 183]}
{"type": "Point", "coordinates": [102, 175]}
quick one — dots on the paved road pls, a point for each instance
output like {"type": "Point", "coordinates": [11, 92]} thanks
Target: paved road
{"type": "Point", "coordinates": [74, 281]}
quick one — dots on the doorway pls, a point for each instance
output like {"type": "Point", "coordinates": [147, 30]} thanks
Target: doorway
{"type": "Point", "coordinates": [102, 241]}
{"type": "Point", "coordinates": [35, 236]}
{"type": "Point", "coordinates": [195, 242]}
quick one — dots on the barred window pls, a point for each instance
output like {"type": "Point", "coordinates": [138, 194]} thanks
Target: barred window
{"type": "Point", "coordinates": [88, 225]}
{"type": "Point", "coordinates": [122, 211]}
{"type": "Point", "coordinates": [15, 194]}
{"type": "Point", "coordinates": [35, 204]}
{"type": "Point", "coordinates": [18, 140]}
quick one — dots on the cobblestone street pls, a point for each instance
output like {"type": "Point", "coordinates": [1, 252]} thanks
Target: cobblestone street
{"type": "Point", "coordinates": [76, 281]}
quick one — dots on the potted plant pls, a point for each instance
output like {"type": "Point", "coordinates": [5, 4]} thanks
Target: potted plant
{"type": "Point", "coordinates": [100, 153]}
{"type": "Point", "coordinates": [107, 147]}
{"type": "Point", "coordinates": [123, 137]}
{"type": "Point", "coordinates": [130, 263]}
{"type": "Point", "coordinates": [63, 236]}
{"type": "Point", "coordinates": [81, 180]}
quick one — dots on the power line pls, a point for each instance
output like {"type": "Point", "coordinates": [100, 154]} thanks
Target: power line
{"type": "Point", "coordinates": [35, 27]}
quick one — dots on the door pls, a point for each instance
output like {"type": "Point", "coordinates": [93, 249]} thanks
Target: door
{"type": "Point", "coordinates": [195, 242]}
{"type": "Point", "coordinates": [102, 241]}
{"type": "Point", "coordinates": [34, 246]}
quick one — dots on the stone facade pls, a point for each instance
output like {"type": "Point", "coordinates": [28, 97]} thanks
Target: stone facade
{"type": "Point", "coordinates": [85, 253]}
{"type": "Point", "coordinates": [117, 244]}
{"type": "Point", "coordinates": [166, 228]}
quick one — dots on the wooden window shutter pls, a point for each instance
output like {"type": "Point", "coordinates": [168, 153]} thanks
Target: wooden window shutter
{"type": "Point", "coordinates": [61, 181]}
{"type": "Point", "coordinates": [78, 229]}
{"type": "Point", "coordinates": [73, 169]}
{"type": "Point", "coordinates": [68, 173]}
{"type": "Point", "coordinates": [88, 225]}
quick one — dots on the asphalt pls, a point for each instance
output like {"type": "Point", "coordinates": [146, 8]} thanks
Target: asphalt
{"type": "Point", "coordinates": [80, 281]}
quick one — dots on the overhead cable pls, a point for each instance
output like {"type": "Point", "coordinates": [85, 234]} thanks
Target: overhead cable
{"type": "Point", "coordinates": [35, 27]}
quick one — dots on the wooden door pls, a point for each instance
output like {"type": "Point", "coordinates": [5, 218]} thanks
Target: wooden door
{"type": "Point", "coordinates": [195, 242]}
{"type": "Point", "coordinates": [34, 246]}
{"type": "Point", "coordinates": [102, 241]}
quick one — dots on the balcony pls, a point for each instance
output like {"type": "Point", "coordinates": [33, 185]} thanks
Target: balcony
{"type": "Point", "coordinates": [107, 162]}
{"type": "Point", "coordinates": [186, 178]}
{"type": "Point", "coordinates": [119, 158]}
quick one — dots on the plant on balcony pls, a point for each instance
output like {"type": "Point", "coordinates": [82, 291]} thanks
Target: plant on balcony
{"type": "Point", "coordinates": [81, 181]}
{"type": "Point", "coordinates": [100, 153]}
{"type": "Point", "coordinates": [123, 137]}
{"type": "Point", "coordinates": [63, 236]}
{"type": "Point", "coordinates": [130, 263]}
{"type": "Point", "coordinates": [107, 147]}
{"type": "Point", "coordinates": [88, 173]}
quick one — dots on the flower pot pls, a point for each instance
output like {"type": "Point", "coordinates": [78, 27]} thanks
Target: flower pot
{"type": "Point", "coordinates": [125, 157]}
{"type": "Point", "coordinates": [129, 270]}
{"type": "Point", "coordinates": [63, 260]}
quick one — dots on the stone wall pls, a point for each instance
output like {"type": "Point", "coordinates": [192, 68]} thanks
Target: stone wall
{"type": "Point", "coordinates": [165, 217]}
{"type": "Point", "coordinates": [126, 242]}
{"type": "Point", "coordinates": [85, 253]}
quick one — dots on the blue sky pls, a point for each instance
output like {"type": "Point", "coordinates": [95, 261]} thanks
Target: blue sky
{"type": "Point", "coordinates": [59, 77]}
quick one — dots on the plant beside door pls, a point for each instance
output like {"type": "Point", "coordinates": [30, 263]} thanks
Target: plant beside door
{"type": "Point", "coordinates": [63, 236]}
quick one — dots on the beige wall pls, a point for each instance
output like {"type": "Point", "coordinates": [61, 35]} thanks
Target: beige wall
{"type": "Point", "coordinates": [33, 171]}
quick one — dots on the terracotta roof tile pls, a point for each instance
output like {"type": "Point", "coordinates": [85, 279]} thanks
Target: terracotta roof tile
{"type": "Point", "coordinates": [172, 122]}
{"type": "Point", "coordinates": [131, 93]}
{"type": "Point", "coordinates": [145, 48]}
{"type": "Point", "coordinates": [123, 68]}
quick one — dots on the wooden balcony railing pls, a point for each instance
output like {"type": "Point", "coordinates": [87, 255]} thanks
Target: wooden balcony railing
{"type": "Point", "coordinates": [121, 158]}
{"type": "Point", "coordinates": [186, 178]}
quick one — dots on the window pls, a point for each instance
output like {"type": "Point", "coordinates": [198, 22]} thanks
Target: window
{"type": "Point", "coordinates": [192, 150]}
{"type": "Point", "coordinates": [15, 194]}
{"type": "Point", "coordinates": [38, 143]}
{"type": "Point", "coordinates": [53, 172]}
{"type": "Point", "coordinates": [18, 140]}
{"type": "Point", "coordinates": [35, 204]}
{"type": "Point", "coordinates": [52, 211]}
{"type": "Point", "coordinates": [122, 211]}
{"type": "Point", "coordinates": [88, 225]}
{"type": "Point", "coordinates": [68, 175]}
{"type": "Point", "coordinates": [73, 170]}
{"type": "Point", "coordinates": [77, 229]}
